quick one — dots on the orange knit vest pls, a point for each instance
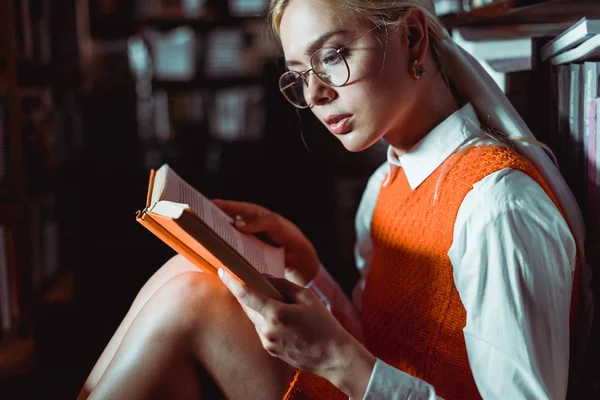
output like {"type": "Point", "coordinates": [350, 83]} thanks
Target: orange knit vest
{"type": "Point", "coordinates": [412, 315]}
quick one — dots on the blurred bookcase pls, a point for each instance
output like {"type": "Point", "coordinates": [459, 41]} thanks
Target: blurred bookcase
{"type": "Point", "coordinates": [41, 132]}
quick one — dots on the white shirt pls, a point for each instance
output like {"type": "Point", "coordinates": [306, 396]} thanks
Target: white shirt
{"type": "Point", "coordinates": [513, 257]}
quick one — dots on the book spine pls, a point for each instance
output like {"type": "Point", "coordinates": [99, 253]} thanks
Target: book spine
{"type": "Point", "coordinates": [5, 298]}
{"type": "Point", "coordinates": [563, 107]}
{"type": "Point", "coordinates": [4, 136]}
{"type": "Point", "coordinates": [575, 135]}
{"type": "Point", "coordinates": [177, 245]}
{"type": "Point", "coordinates": [596, 181]}
{"type": "Point", "coordinates": [592, 161]}
{"type": "Point", "coordinates": [590, 92]}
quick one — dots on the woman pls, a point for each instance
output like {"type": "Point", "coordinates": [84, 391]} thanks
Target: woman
{"type": "Point", "coordinates": [469, 254]}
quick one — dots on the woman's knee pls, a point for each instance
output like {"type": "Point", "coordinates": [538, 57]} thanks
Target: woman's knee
{"type": "Point", "coordinates": [192, 299]}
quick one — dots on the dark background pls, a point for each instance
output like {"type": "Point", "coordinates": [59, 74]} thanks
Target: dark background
{"type": "Point", "coordinates": [92, 177]}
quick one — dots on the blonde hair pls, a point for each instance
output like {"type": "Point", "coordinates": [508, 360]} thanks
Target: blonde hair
{"type": "Point", "coordinates": [380, 13]}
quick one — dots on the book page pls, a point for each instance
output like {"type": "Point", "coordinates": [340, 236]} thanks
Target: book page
{"type": "Point", "coordinates": [263, 257]}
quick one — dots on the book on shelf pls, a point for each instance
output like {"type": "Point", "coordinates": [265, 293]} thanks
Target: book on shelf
{"type": "Point", "coordinates": [591, 71]}
{"type": "Point", "coordinates": [443, 7]}
{"type": "Point", "coordinates": [503, 54]}
{"type": "Point", "coordinates": [588, 50]}
{"type": "Point", "coordinates": [174, 53]}
{"type": "Point", "coordinates": [575, 151]}
{"type": "Point", "coordinates": [6, 321]}
{"type": "Point", "coordinates": [563, 108]}
{"type": "Point", "coordinates": [578, 33]}
{"type": "Point", "coordinates": [4, 136]}
{"type": "Point", "coordinates": [596, 165]}
{"type": "Point", "coordinates": [225, 53]}
{"type": "Point", "coordinates": [196, 228]}
{"type": "Point", "coordinates": [238, 114]}
{"type": "Point", "coordinates": [593, 170]}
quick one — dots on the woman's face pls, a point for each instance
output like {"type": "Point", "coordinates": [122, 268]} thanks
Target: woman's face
{"type": "Point", "coordinates": [378, 97]}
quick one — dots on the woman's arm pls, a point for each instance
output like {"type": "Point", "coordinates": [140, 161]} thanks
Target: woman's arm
{"type": "Point", "coordinates": [514, 258]}
{"type": "Point", "coordinates": [332, 296]}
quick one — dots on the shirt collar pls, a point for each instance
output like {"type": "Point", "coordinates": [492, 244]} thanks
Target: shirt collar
{"type": "Point", "coordinates": [431, 151]}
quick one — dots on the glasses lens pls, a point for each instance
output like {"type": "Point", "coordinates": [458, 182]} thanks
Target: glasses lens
{"type": "Point", "coordinates": [331, 67]}
{"type": "Point", "coordinates": [292, 86]}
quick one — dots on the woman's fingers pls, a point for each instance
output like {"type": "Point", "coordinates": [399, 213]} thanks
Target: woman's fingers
{"type": "Point", "coordinates": [260, 223]}
{"type": "Point", "coordinates": [243, 209]}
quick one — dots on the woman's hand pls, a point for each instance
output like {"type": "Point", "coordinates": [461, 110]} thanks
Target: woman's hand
{"type": "Point", "coordinates": [301, 260]}
{"type": "Point", "coordinates": [305, 334]}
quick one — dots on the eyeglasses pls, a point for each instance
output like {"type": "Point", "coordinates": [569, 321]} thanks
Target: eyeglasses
{"type": "Point", "coordinates": [329, 65]}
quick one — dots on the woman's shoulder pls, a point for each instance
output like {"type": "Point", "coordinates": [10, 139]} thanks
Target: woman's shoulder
{"type": "Point", "coordinates": [508, 189]}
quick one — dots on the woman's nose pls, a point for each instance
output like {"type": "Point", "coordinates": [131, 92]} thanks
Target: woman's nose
{"type": "Point", "coordinates": [318, 92]}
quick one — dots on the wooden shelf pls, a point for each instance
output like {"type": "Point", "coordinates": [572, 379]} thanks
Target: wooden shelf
{"type": "Point", "coordinates": [510, 12]}
{"type": "Point", "coordinates": [170, 21]}
{"type": "Point", "coordinates": [205, 83]}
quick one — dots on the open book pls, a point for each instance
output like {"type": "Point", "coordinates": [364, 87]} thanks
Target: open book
{"type": "Point", "coordinates": [197, 229]}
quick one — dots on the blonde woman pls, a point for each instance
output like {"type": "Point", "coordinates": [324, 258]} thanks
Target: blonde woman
{"type": "Point", "coordinates": [468, 241]}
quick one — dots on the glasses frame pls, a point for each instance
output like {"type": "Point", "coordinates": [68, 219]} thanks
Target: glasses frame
{"type": "Point", "coordinates": [304, 75]}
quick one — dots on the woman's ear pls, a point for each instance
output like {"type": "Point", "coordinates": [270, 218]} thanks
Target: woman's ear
{"type": "Point", "coordinates": [415, 23]}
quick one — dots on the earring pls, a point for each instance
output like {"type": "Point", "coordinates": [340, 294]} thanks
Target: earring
{"type": "Point", "coordinates": [417, 70]}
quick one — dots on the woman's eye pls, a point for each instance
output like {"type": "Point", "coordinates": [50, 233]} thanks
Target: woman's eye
{"type": "Point", "coordinates": [332, 60]}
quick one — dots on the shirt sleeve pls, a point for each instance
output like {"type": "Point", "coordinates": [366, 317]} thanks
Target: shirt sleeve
{"type": "Point", "coordinates": [513, 258]}
{"type": "Point", "coordinates": [363, 248]}
{"type": "Point", "coordinates": [389, 383]}
{"type": "Point", "coordinates": [330, 294]}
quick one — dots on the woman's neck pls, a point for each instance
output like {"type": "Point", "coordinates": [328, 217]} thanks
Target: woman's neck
{"type": "Point", "coordinates": [435, 103]}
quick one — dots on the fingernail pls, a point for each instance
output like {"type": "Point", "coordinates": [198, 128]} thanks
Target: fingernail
{"type": "Point", "coordinates": [239, 221]}
{"type": "Point", "coordinates": [220, 273]}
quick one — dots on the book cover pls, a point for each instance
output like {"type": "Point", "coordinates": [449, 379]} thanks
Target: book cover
{"type": "Point", "coordinates": [576, 34]}
{"type": "Point", "coordinates": [588, 50]}
{"type": "Point", "coordinates": [197, 229]}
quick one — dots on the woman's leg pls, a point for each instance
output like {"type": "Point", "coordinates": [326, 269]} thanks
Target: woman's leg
{"type": "Point", "coordinates": [192, 322]}
{"type": "Point", "coordinates": [171, 268]}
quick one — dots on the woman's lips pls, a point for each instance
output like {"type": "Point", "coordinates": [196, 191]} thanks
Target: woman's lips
{"type": "Point", "coordinates": [340, 125]}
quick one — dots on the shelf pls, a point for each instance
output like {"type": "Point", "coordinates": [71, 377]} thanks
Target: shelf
{"type": "Point", "coordinates": [170, 21]}
{"type": "Point", "coordinates": [205, 83]}
{"type": "Point", "coordinates": [510, 12]}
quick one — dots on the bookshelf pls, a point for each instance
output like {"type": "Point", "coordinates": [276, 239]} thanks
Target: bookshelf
{"type": "Point", "coordinates": [510, 12]}
{"type": "Point", "coordinates": [37, 75]}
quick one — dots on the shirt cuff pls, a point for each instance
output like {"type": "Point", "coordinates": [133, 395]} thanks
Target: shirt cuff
{"type": "Point", "coordinates": [332, 296]}
{"type": "Point", "coordinates": [389, 383]}
{"type": "Point", "coordinates": [322, 284]}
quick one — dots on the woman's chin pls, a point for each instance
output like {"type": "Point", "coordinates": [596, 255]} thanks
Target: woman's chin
{"type": "Point", "coordinates": [355, 141]}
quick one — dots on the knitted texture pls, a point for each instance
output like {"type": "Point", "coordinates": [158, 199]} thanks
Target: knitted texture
{"type": "Point", "coordinates": [412, 315]}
